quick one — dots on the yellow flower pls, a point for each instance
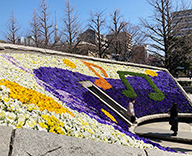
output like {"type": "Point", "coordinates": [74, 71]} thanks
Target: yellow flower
{"type": "Point", "coordinates": [43, 125]}
{"type": "Point", "coordinates": [30, 108]}
{"type": "Point", "coordinates": [52, 130]}
{"type": "Point", "coordinates": [52, 124]}
{"type": "Point", "coordinates": [90, 130]}
{"type": "Point", "coordinates": [108, 115]}
{"type": "Point", "coordinates": [151, 73]}
{"type": "Point", "coordinates": [5, 99]}
{"type": "Point", "coordinates": [34, 62]}
{"type": "Point", "coordinates": [62, 124]}
{"type": "Point", "coordinates": [80, 135]}
{"type": "Point", "coordinates": [84, 123]}
{"type": "Point", "coordinates": [59, 130]}
{"type": "Point", "coordinates": [19, 125]}
{"type": "Point", "coordinates": [68, 63]}
{"type": "Point", "coordinates": [29, 96]}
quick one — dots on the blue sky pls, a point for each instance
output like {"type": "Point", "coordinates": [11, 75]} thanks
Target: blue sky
{"type": "Point", "coordinates": [131, 9]}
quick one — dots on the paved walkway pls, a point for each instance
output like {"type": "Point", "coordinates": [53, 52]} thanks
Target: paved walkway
{"type": "Point", "coordinates": [161, 131]}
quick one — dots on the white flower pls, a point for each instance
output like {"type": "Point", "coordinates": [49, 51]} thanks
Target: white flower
{"type": "Point", "coordinates": [10, 116]}
{"type": "Point", "coordinates": [148, 146]}
{"type": "Point", "coordinates": [78, 134]}
{"type": "Point", "coordinates": [38, 127]}
{"type": "Point", "coordinates": [21, 118]}
{"type": "Point", "coordinates": [6, 90]}
{"type": "Point", "coordinates": [31, 122]}
{"type": "Point", "coordinates": [44, 112]}
{"type": "Point", "coordinates": [2, 113]}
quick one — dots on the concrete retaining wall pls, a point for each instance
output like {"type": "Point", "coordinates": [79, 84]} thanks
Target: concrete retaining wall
{"type": "Point", "coordinates": [26, 142]}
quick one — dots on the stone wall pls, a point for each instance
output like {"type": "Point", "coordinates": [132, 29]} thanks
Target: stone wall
{"type": "Point", "coordinates": [25, 142]}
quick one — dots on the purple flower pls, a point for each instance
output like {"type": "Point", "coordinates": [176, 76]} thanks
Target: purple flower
{"type": "Point", "coordinates": [64, 85]}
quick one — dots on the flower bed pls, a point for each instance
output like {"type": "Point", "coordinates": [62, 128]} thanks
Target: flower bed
{"type": "Point", "coordinates": [43, 93]}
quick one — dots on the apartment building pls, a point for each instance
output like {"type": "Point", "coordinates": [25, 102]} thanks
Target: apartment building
{"type": "Point", "coordinates": [91, 36]}
{"type": "Point", "coordinates": [184, 21]}
{"type": "Point", "coordinates": [139, 54]}
{"type": "Point", "coordinates": [120, 44]}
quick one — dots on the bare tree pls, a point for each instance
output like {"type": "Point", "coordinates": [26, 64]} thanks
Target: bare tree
{"type": "Point", "coordinates": [97, 23]}
{"type": "Point", "coordinates": [124, 36]}
{"type": "Point", "coordinates": [117, 35]}
{"type": "Point", "coordinates": [12, 30]}
{"type": "Point", "coordinates": [120, 41]}
{"type": "Point", "coordinates": [163, 31]}
{"type": "Point", "coordinates": [154, 60]}
{"type": "Point", "coordinates": [71, 28]}
{"type": "Point", "coordinates": [137, 40]}
{"type": "Point", "coordinates": [138, 37]}
{"type": "Point", "coordinates": [46, 27]}
{"type": "Point", "coordinates": [35, 28]}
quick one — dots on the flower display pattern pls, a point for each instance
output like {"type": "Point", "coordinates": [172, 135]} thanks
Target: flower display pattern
{"type": "Point", "coordinates": [151, 73]}
{"type": "Point", "coordinates": [69, 63]}
{"type": "Point", "coordinates": [109, 115]}
{"type": "Point", "coordinates": [57, 78]}
{"type": "Point", "coordinates": [29, 96]}
{"type": "Point", "coordinates": [101, 82]}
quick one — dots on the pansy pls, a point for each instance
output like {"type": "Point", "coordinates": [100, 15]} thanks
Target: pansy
{"type": "Point", "coordinates": [33, 97]}
{"type": "Point", "coordinates": [108, 115]}
{"type": "Point", "coordinates": [69, 63]}
{"type": "Point", "coordinates": [151, 73]}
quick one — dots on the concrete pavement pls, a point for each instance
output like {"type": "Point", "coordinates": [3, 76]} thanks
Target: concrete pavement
{"type": "Point", "coordinates": [25, 142]}
{"type": "Point", "coordinates": [161, 131]}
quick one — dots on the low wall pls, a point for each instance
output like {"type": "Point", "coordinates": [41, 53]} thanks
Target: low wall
{"type": "Point", "coordinates": [25, 142]}
{"type": "Point", "coordinates": [148, 118]}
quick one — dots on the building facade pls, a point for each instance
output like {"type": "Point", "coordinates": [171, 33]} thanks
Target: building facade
{"type": "Point", "coordinates": [139, 54]}
{"type": "Point", "coordinates": [122, 43]}
{"type": "Point", "coordinates": [89, 41]}
{"type": "Point", "coordinates": [91, 36]}
{"type": "Point", "coordinates": [183, 20]}
{"type": "Point", "coordinates": [28, 41]}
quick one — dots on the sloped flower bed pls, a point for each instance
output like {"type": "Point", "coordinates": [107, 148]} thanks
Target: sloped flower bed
{"type": "Point", "coordinates": [55, 81]}
{"type": "Point", "coordinates": [68, 81]}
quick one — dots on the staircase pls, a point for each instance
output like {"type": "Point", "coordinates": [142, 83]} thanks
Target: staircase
{"type": "Point", "coordinates": [107, 100]}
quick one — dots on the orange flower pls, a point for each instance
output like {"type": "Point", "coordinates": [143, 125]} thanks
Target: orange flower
{"type": "Point", "coordinates": [101, 82]}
